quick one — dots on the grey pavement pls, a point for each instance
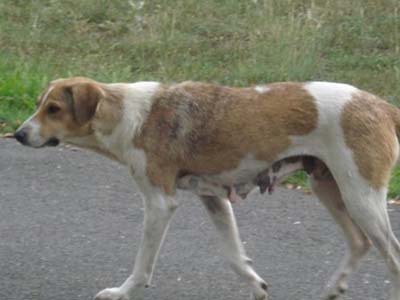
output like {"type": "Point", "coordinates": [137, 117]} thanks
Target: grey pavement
{"type": "Point", "coordinates": [70, 225]}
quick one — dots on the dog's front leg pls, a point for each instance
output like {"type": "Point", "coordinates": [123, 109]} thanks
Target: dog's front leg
{"type": "Point", "coordinates": [159, 210]}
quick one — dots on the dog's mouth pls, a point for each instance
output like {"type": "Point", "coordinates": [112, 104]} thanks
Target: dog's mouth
{"type": "Point", "coordinates": [52, 142]}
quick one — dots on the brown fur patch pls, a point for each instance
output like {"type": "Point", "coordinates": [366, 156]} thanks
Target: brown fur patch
{"type": "Point", "coordinates": [369, 131]}
{"type": "Point", "coordinates": [207, 129]}
{"type": "Point", "coordinates": [110, 110]}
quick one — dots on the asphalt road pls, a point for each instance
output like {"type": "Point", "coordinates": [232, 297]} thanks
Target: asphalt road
{"type": "Point", "coordinates": [70, 224]}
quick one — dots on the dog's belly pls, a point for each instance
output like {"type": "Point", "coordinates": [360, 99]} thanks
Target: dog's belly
{"type": "Point", "coordinates": [239, 183]}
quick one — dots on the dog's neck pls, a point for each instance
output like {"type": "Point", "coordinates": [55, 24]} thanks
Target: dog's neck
{"type": "Point", "coordinates": [136, 101]}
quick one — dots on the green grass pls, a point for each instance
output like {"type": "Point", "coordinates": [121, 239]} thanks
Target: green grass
{"type": "Point", "coordinates": [225, 41]}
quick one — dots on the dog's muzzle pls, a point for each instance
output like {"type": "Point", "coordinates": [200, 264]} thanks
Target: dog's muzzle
{"type": "Point", "coordinates": [21, 136]}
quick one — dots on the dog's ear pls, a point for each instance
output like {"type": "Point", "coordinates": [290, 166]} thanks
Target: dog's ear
{"type": "Point", "coordinates": [82, 100]}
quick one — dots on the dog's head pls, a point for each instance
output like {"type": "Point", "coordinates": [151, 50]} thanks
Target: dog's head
{"type": "Point", "coordinates": [64, 110]}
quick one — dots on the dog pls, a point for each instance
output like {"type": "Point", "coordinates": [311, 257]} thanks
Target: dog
{"type": "Point", "coordinates": [222, 142]}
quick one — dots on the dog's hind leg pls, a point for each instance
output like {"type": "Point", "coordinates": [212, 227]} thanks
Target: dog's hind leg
{"type": "Point", "coordinates": [367, 208]}
{"type": "Point", "coordinates": [328, 193]}
{"type": "Point", "coordinates": [221, 213]}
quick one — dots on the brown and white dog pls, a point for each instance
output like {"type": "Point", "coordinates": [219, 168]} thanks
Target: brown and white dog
{"type": "Point", "coordinates": [222, 142]}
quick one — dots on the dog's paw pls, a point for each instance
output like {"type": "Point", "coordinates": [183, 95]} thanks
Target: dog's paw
{"type": "Point", "coordinates": [263, 296]}
{"type": "Point", "coordinates": [261, 291]}
{"type": "Point", "coordinates": [111, 294]}
{"type": "Point", "coordinates": [335, 293]}
{"type": "Point", "coordinates": [333, 296]}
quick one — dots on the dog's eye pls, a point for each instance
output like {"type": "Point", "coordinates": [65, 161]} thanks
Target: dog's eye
{"type": "Point", "coordinates": [52, 109]}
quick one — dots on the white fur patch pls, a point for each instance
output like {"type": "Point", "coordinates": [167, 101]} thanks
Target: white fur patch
{"type": "Point", "coordinates": [262, 89]}
{"type": "Point", "coordinates": [330, 98]}
{"type": "Point", "coordinates": [46, 96]}
{"type": "Point", "coordinates": [34, 129]}
{"type": "Point", "coordinates": [137, 104]}
{"type": "Point", "coordinates": [327, 138]}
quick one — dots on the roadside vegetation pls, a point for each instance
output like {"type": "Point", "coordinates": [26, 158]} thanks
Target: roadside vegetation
{"type": "Point", "coordinates": [229, 42]}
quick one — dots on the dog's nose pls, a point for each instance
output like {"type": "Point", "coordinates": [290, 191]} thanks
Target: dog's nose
{"type": "Point", "coordinates": [21, 136]}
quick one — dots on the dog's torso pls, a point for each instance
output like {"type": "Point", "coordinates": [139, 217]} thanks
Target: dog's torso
{"type": "Point", "coordinates": [230, 135]}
